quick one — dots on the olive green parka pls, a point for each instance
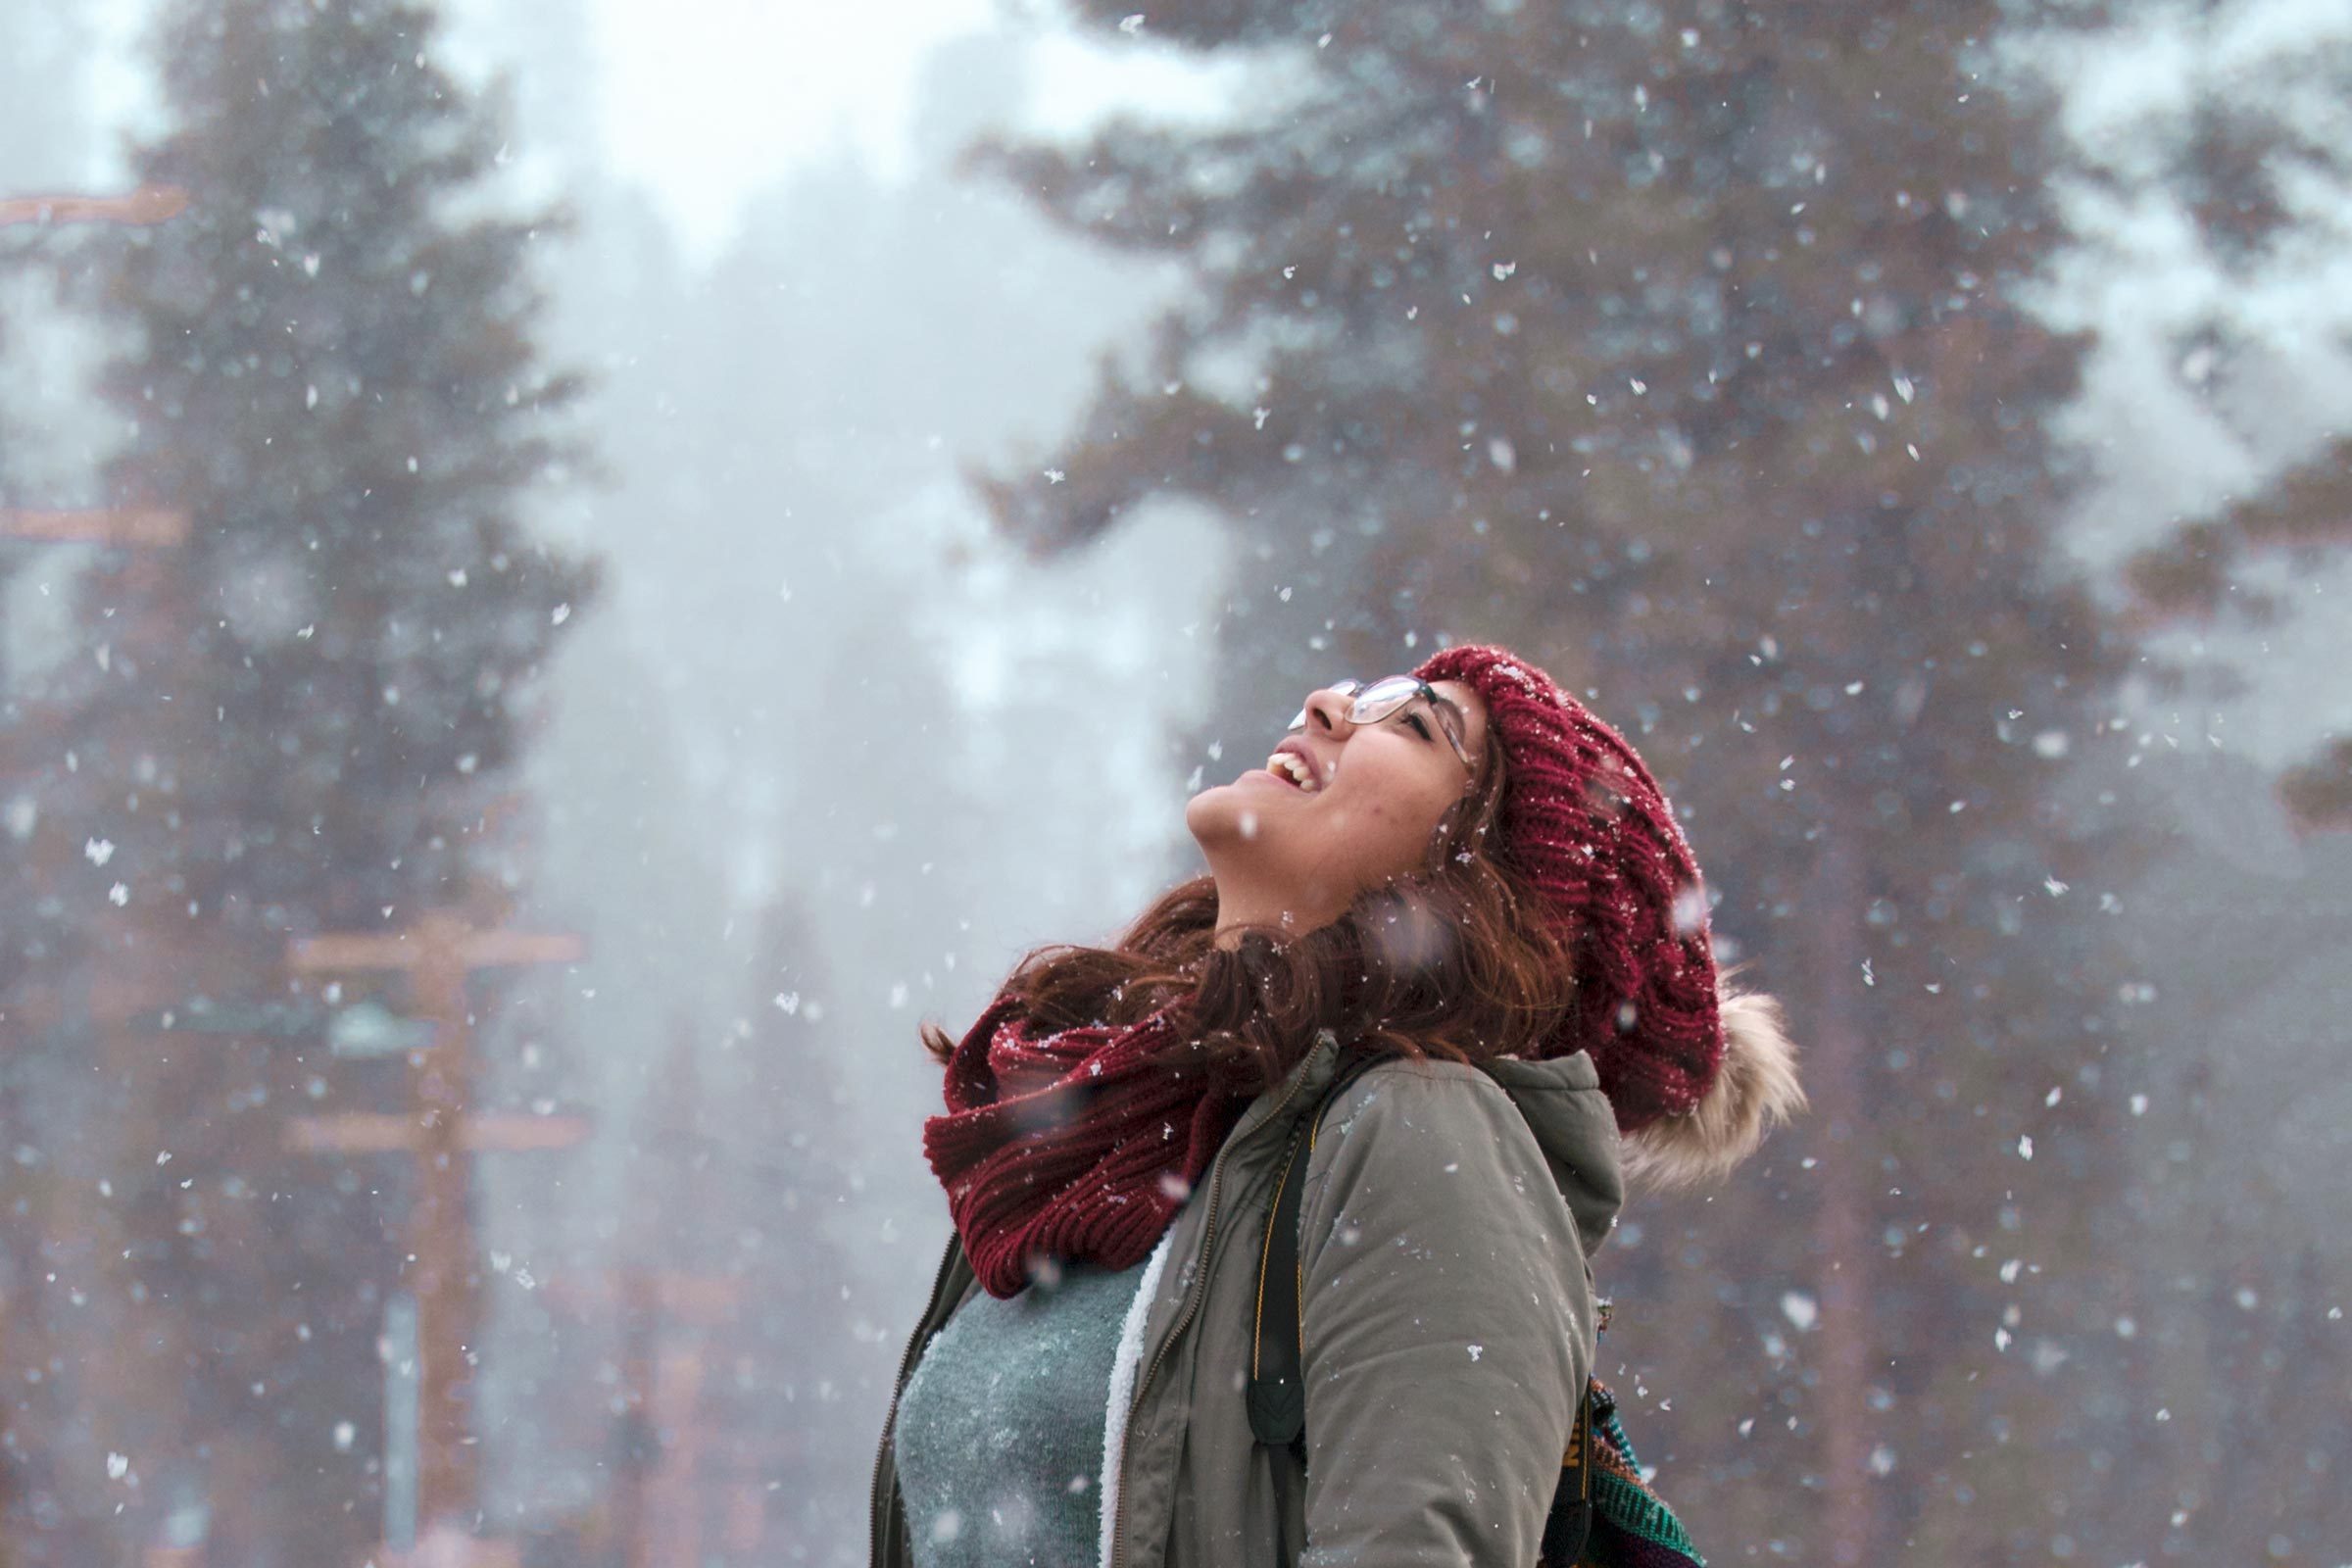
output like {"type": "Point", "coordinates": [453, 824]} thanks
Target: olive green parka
{"type": "Point", "coordinates": [1448, 1215]}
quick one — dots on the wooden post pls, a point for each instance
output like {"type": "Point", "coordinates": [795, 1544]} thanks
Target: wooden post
{"type": "Point", "coordinates": [659, 1518]}
{"type": "Point", "coordinates": [147, 205]}
{"type": "Point", "coordinates": [1846, 1510]}
{"type": "Point", "coordinates": [136, 528]}
{"type": "Point", "coordinates": [674, 1512]}
{"type": "Point", "coordinates": [38, 738]}
{"type": "Point", "coordinates": [129, 527]}
{"type": "Point", "coordinates": [438, 953]}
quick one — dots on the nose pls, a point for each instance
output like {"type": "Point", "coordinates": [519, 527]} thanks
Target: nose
{"type": "Point", "coordinates": [1327, 711]}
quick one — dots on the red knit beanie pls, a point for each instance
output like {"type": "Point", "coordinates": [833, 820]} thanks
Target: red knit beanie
{"type": "Point", "coordinates": [1694, 1074]}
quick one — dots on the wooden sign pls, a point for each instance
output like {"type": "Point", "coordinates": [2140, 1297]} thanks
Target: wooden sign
{"type": "Point", "coordinates": [149, 204]}
{"type": "Point", "coordinates": [440, 1132]}
{"type": "Point", "coordinates": [369, 1133]}
{"type": "Point", "coordinates": [148, 527]}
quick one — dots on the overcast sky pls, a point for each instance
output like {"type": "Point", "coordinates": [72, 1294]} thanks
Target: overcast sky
{"type": "Point", "coordinates": [705, 103]}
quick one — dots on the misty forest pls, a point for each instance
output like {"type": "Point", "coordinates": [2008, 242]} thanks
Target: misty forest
{"type": "Point", "coordinates": [544, 637]}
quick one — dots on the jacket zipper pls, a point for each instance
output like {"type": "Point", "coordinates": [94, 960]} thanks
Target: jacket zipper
{"type": "Point", "coordinates": [1192, 1302]}
{"type": "Point", "coordinates": [915, 1347]}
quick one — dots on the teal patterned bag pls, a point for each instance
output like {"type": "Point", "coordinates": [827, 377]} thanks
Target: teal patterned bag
{"type": "Point", "coordinates": [1623, 1523]}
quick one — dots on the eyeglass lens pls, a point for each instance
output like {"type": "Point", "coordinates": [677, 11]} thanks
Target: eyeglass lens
{"type": "Point", "coordinates": [1370, 704]}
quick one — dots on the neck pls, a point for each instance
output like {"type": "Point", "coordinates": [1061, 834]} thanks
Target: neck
{"type": "Point", "coordinates": [1288, 911]}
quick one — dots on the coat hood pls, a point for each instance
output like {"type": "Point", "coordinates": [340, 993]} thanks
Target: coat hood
{"type": "Point", "coordinates": [1562, 1102]}
{"type": "Point", "coordinates": [1577, 1131]}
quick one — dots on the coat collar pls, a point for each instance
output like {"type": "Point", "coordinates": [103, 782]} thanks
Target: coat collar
{"type": "Point", "coordinates": [1560, 1097]}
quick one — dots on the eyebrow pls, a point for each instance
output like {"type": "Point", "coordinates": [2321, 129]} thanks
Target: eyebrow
{"type": "Point", "coordinates": [1461, 720]}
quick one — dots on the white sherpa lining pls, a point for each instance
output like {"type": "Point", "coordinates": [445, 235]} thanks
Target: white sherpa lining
{"type": "Point", "coordinates": [1123, 1371]}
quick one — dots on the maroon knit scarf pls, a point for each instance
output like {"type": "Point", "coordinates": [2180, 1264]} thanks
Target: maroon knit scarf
{"type": "Point", "coordinates": [1078, 1145]}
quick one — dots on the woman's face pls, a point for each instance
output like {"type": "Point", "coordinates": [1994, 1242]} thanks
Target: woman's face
{"type": "Point", "coordinates": [1293, 856]}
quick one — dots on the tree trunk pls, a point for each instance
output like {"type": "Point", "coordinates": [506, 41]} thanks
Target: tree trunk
{"type": "Point", "coordinates": [1832, 956]}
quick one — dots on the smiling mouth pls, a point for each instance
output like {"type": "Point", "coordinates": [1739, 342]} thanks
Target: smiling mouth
{"type": "Point", "coordinates": [1294, 771]}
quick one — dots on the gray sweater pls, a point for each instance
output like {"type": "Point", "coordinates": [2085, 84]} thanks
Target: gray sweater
{"type": "Point", "coordinates": [1001, 1426]}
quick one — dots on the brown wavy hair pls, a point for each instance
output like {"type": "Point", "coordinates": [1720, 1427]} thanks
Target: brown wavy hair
{"type": "Point", "coordinates": [1455, 960]}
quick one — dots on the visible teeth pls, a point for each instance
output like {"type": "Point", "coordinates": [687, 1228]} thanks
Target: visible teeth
{"type": "Point", "coordinates": [1297, 766]}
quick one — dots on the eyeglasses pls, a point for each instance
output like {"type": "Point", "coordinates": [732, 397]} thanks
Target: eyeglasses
{"type": "Point", "coordinates": [1391, 694]}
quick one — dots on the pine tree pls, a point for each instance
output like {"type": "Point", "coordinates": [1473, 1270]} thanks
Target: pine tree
{"type": "Point", "coordinates": [43, 131]}
{"type": "Point", "coordinates": [783, 1116]}
{"type": "Point", "coordinates": [2207, 185]}
{"type": "Point", "coordinates": [294, 726]}
{"type": "Point", "coordinates": [44, 135]}
{"type": "Point", "coordinates": [2210, 180]}
{"type": "Point", "coordinates": [1672, 346]}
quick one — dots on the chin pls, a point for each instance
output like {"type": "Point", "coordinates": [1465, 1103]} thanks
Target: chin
{"type": "Point", "coordinates": [1216, 815]}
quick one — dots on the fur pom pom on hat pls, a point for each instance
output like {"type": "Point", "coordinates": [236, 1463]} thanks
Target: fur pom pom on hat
{"type": "Point", "coordinates": [1696, 1074]}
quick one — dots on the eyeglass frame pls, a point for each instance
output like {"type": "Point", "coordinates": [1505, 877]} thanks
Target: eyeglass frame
{"type": "Point", "coordinates": [1363, 709]}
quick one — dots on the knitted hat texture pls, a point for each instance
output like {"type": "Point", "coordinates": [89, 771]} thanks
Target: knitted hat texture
{"type": "Point", "coordinates": [1583, 819]}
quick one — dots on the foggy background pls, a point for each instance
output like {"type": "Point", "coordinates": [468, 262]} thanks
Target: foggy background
{"type": "Point", "coordinates": [1923, 430]}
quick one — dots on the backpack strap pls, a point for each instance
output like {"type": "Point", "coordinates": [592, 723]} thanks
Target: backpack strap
{"type": "Point", "coordinates": [1277, 1388]}
{"type": "Point", "coordinates": [1570, 1522]}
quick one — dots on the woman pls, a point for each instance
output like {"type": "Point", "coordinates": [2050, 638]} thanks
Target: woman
{"type": "Point", "coordinates": [1463, 873]}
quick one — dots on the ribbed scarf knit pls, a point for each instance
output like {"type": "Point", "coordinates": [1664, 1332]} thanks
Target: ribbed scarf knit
{"type": "Point", "coordinates": [1076, 1144]}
